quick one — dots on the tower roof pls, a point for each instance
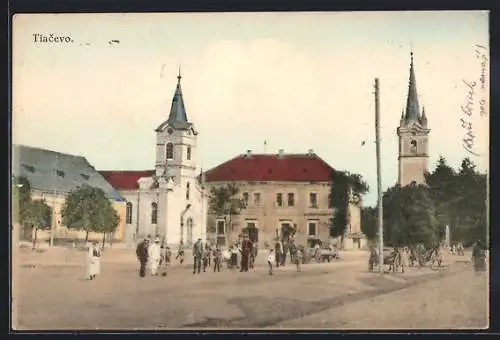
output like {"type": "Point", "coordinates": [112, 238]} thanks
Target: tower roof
{"type": "Point", "coordinates": [177, 117]}
{"type": "Point", "coordinates": [412, 112]}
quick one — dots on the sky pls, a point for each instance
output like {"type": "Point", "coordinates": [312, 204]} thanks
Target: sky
{"type": "Point", "coordinates": [297, 80]}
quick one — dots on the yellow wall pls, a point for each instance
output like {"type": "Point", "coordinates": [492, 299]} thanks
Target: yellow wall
{"type": "Point", "coordinates": [57, 201]}
{"type": "Point", "coordinates": [269, 216]}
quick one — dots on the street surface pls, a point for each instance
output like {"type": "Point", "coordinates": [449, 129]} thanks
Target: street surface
{"type": "Point", "coordinates": [51, 293]}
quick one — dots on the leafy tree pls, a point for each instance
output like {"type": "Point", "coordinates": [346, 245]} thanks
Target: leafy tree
{"type": "Point", "coordinates": [409, 217]}
{"type": "Point", "coordinates": [346, 189]}
{"type": "Point", "coordinates": [39, 216]}
{"type": "Point", "coordinates": [87, 208]}
{"type": "Point", "coordinates": [21, 198]}
{"type": "Point", "coordinates": [108, 222]}
{"type": "Point", "coordinates": [369, 224]}
{"type": "Point", "coordinates": [224, 201]}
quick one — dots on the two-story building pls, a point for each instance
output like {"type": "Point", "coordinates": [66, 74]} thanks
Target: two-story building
{"type": "Point", "coordinates": [280, 191]}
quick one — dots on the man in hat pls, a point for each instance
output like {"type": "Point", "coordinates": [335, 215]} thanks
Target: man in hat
{"type": "Point", "coordinates": [246, 249]}
{"type": "Point", "coordinates": [154, 256]}
{"type": "Point", "coordinates": [197, 256]}
{"type": "Point", "coordinates": [142, 255]}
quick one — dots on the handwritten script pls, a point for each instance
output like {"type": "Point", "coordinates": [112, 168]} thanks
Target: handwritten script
{"type": "Point", "coordinates": [473, 86]}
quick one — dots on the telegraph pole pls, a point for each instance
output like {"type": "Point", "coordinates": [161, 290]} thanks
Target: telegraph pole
{"type": "Point", "coordinates": [379, 179]}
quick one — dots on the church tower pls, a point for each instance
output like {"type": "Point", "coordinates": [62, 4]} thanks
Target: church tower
{"type": "Point", "coordinates": [176, 140]}
{"type": "Point", "coordinates": [413, 137]}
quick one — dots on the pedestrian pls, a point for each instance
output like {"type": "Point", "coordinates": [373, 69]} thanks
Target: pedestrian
{"type": "Point", "coordinates": [197, 256]}
{"type": "Point", "coordinates": [142, 255]}
{"type": "Point", "coordinates": [246, 249]}
{"type": "Point", "coordinates": [180, 252]}
{"type": "Point", "coordinates": [234, 257]}
{"type": "Point", "coordinates": [217, 259]}
{"type": "Point", "coordinates": [270, 260]}
{"type": "Point", "coordinates": [298, 258]}
{"type": "Point", "coordinates": [93, 261]}
{"type": "Point", "coordinates": [154, 256]}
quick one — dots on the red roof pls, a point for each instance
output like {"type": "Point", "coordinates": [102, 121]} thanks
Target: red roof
{"type": "Point", "coordinates": [125, 180]}
{"type": "Point", "coordinates": [265, 167]}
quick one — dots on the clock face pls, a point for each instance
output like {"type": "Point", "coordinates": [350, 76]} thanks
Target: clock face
{"type": "Point", "coordinates": [170, 131]}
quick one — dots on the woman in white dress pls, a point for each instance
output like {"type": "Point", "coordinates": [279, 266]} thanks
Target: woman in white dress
{"type": "Point", "coordinates": [93, 261]}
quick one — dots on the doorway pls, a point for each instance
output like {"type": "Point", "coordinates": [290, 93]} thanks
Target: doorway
{"type": "Point", "coordinates": [252, 231]}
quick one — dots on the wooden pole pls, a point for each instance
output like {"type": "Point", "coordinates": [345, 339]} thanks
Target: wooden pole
{"type": "Point", "coordinates": [379, 179]}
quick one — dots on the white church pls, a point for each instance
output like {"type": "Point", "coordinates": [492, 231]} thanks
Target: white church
{"type": "Point", "coordinates": [168, 201]}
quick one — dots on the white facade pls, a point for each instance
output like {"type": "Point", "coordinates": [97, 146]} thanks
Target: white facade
{"type": "Point", "coordinates": [171, 202]}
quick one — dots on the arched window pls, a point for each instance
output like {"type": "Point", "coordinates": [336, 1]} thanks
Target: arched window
{"type": "Point", "coordinates": [170, 151]}
{"type": "Point", "coordinates": [154, 213]}
{"type": "Point", "coordinates": [128, 217]}
{"type": "Point", "coordinates": [188, 153]}
{"type": "Point", "coordinates": [187, 191]}
{"type": "Point", "coordinates": [413, 146]}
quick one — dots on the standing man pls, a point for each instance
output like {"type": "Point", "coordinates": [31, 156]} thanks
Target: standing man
{"type": "Point", "coordinates": [278, 250]}
{"type": "Point", "coordinates": [142, 256]}
{"type": "Point", "coordinates": [217, 258]}
{"type": "Point", "coordinates": [197, 256]}
{"type": "Point", "coordinates": [154, 256]}
{"type": "Point", "coordinates": [93, 261]}
{"type": "Point", "coordinates": [246, 249]}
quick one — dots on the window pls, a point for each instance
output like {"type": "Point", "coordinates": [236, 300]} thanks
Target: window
{"type": "Point", "coordinates": [245, 198]}
{"type": "Point", "coordinates": [221, 227]}
{"type": "Point", "coordinates": [187, 191]}
{"type": "Point", "coordinates": [413, 146]}
{"type": "Point", "coordinates": [313, 200]}
{"type": "Point", "coordinates": [188, 153]}
{"type": "Point", "coordinates": [330, 203]}
{"type": "Point", "coordinates": [279, 200]}
{"type": "Point", "coordinates": [291, 199]}
{"type": "Point", "coordinates": [256, 198]}
{"type": "Point", "coordinates": [154, 213]}
{"type": "Point", "coordinates": [311, 230]}
{"type": "Point", "coordinates": [128, 217]}
{"type": "Point", "coordinates": [170, 151]}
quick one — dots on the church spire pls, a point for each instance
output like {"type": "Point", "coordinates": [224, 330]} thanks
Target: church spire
{"type": "Point", "coordinates": [178, 110]}
{"type": "Point", "coordinates": [412, 108]}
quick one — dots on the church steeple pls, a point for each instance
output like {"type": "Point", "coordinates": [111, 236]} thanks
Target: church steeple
{"type": "Point", "coordinates": [412, 113]}
{"type": "Point", "coordinates": [178, 110]}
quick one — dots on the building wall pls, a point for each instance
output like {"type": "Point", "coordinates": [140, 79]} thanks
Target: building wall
{"type": "Point", "coordinates": [56, 201]}
{"type": "Point", "coordinates": [269, 217]}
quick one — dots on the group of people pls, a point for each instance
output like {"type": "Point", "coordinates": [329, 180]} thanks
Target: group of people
{"type": "Point", "coordinates": [152, 255]}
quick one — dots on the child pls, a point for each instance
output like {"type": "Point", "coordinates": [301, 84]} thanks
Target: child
{"type": "Point", "coordinates": [298, 259]}
{"type": "Point", "coordinates": [270, 260]}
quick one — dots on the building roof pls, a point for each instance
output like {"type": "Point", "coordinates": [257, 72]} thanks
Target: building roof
{"type": "Point", "coordinates": [178, 116]}
{"type": "Point", "coordinates": [267, 167]}
{"type": "Point", "coordinates": [126, 180]}
{"type": "Point", "coordinates": [53, 171]}
{"type": "Point", "coordinates": [412, 113]}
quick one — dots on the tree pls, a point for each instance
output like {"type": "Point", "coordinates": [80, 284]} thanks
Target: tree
{"type": "Point", "coordinates": [346, 189]}
{"type": "Point", "coordinates": [38, 215]}
{"type": "Point", "coordinates": [369, 224]}
{"type": "Point", "coordinates": [409, 217]}
{"type": "Point", "coordinates": [108, 222]}
{"type": "Point", "coordinates": [87, 208]}
{"type": "Point", "coordinates": [224, 201]}
{"type": "Point", "coordinates": [21, 198]}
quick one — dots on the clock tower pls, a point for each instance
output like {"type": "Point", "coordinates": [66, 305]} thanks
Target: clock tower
{"type": "Point", "coordinates": [413, 134]}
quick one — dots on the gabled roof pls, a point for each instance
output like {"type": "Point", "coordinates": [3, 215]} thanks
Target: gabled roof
{"type": "Point", "coordinates": [53, 171]}
{"type": "Point", "coordinates": [266, 167]}
{"type": "Point", "coordinates": [126, 180]}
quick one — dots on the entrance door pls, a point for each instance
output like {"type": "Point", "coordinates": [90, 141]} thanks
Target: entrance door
{"type": "Point", "coordinates": [189, 232]}
{"type": "Point", "coordinates": [252, 231]}
{"type": "Point", "coordinates": [286, 230]}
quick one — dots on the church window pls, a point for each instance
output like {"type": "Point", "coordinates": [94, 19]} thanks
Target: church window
{"type": "Point", "coordinates": [413, 146]}
{"type": "Point", "coordinates": [128, 217]}
{"type": "Point", "coordinates": [188, 153]}
{"type": "Point", "coordinates": [154, 213]}
{"type": "Point", "coordinates": [187, 191]}
{"type": "Point", "coordinates": [170, 151]}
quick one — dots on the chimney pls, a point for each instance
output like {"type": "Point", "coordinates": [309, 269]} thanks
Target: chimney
{"type": "Point", "coordinates": [310, 152]}
{"type": "Point", "coordinates": [281, 153]}
{"type": "Point", "coordinates": [249, 154]}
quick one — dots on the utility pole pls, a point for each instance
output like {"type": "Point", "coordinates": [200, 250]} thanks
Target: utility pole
{"type": "Point", "coordinates": [379, 179]}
